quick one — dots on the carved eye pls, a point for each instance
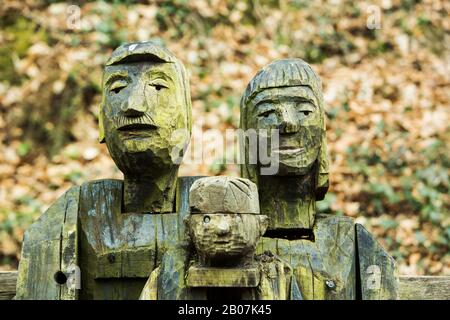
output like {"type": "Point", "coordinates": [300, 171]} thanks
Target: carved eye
{"type": "Point", "coordinates": [206, 219]}
{"type": "Point", "coordinates": [117, 86]}
{"type": "Point", "coordinates": [305, 108]}
{"type": "Point", "coordinates": [265, 114]}
{"type": "Point", "coordinates": [159, 85]}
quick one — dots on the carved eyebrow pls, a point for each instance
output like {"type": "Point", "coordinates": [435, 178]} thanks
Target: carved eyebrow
{"type": "Point", "coordinates": [115, 76]}
{"type": "Point", "coordinates": [155, 74]}
{"type": "Point", "coordinates": [262, 107]}
{"type": "Point", "coordinates": [279, 98]}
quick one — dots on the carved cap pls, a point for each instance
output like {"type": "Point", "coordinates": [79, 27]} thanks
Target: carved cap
{"type": "Point", "coordinates": [224, 195]}
{"type": "Point", "coordinates": [141, 51]}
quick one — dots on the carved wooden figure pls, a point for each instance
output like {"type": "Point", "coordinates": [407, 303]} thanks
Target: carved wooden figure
{"type": "Point", "coordinates": [224, 227]}
{"type": "Point", "coordinates": [102, 240]}
{"type": "Point", "coordinates": [332, 257]}
{"type": "Point", "coordinates": [106, 239]}
{"type": "Point", "coordinates": [225, 223]}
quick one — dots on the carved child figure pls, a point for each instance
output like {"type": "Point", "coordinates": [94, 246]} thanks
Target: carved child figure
{"type": "Point", "coordinates": [224, 227]}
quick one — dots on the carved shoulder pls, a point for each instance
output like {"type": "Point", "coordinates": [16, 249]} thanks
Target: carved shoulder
{"type": "Point", "coordinates": [50, 246]}
{"type": "Point", "coordinates": [377, 269]}
{"type": "Point", "coordinates": [324, 266]}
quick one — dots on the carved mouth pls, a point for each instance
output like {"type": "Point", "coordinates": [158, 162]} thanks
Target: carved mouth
{"type": "Point", "coordinates": [287, 150]}
{"type": "Point", "coordinates": [137, 131]}
{"type": "Point", "coordinates": [222, 241]}
{"type": "Point", "coordinates": [137, 127]}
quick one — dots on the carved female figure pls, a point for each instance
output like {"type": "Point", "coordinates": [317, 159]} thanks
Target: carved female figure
{"type": "Point", "coordinates": [330, 255]}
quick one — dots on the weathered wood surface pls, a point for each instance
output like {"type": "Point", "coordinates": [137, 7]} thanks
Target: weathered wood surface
{"type": "Point", "coordinates": [120, 250]}
{"type": "Point", "coordinates": [117, 251]}
{"type": "Point", "coordinates": [424, 288]}
{"type": "Point", "coordinates": [376, 268]}
{"type": "Point", "coordinates": [69, 249]}
{"type": "Point", "coordinates": [410, 287]}
{"type": "Point", "coordinates": [288, 200]}
{"type": "Point", "coordinates": [324, 268]}
{"type": "Point", "coordinates": [145, 101]}
{"type": "Point", "coordinates": [225, 224]}
{"type": "Point", "coordinates": [224, 195]}
{"type": "Point", "coordinates": [8, 281]}
{"type": "Point", "coordinates": [51, 235]}
{"type": "Point", "coordinates": [223, 277]}
{"type": "Point", "coordinates": [285, 95]}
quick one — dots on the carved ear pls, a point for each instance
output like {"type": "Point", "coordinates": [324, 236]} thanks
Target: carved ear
{"type": "Point", "coordinates": [101, 137]}
{"type": "Point", "coordinates": [263, 224]}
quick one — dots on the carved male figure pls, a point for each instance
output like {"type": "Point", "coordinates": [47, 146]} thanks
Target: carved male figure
{"type": "Point", "coordinates": [146, 99]}
{"type": "Point", "coordinates": [329, 258]}
{"type": "Point", "coordinates": [112, 230]}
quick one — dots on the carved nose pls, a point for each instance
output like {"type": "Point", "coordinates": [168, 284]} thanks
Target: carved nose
{"type": "Point", "coordinates": [288, 122]}
{"type": "Point", "coordinates": [136, 106]}
{"type": "Point", "coordinates": [223, 228]}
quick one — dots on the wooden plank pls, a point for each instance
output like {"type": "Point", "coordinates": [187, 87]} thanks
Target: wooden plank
{"type": "Point", "coordinates": [182, 201]}
{"type": "Point", "coordinates": [424, 288]}
{"type": "Point", "coordinates": [172, 274]}
{"type": "Point", "coordinates": [324, 268]}
{"type": "Point", "coordinates": [223, 277]}
{"type": "Point", "coordinates": [69, 248]}
{"type": "Point", "coordinates": [117, 250]}
{"type": "Point", "coordinates": [410, 287]}
{"type": "Point", "coordinates": [377, 270]}
{"type": "Point", "coordinates": [8, 281]}
{"type": "Point", "coordinates": [41, 251]}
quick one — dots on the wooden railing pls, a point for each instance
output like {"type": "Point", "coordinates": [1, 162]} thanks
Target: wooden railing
{"type": "Point", "coordinates": [410, 287]}
{"type": "Point", "coordinates": [424, 288]}
{"type": "Point", "coordinates": [7, 284]}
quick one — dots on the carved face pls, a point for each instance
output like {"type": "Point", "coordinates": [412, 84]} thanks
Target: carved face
{"type": "Point", "coordinates": [143, 105]}
{"type": "Point", "coordinates": [221, 237]}
{"type": "Point", "coordinates": [295, 113]}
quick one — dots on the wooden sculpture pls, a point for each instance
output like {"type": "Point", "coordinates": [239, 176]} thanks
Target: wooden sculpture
{"type": "Point", "coordinates": [224, 227]}
{"type": "Point", "coordinates": [154, 235]}
{"type": "Point", "coordinates": [332, 257]}
{"type": "Point", "coordinates": [112, 233]}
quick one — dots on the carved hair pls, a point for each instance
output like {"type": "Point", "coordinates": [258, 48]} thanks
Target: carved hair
{"type": "Point", "coordinates": [286, 73]}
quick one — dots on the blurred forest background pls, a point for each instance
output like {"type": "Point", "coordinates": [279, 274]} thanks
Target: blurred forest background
{"type": "Point", "coordinates": [386, 91]}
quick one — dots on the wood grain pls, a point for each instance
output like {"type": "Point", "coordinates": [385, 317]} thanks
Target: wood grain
{"type": "Point", "coordinates": [224, 195]}
{"type": "Point", "coordinates": [410, 287]}
{"type": "Point", "coordinates": [328, 259]}
{"type": "Point", "coordinates": [377, 270]}
{"type": "Point", "coordinates": [424, 288]}
{"type": "Point", "coordinates": [223, 277]}
{"type": "Point", "coordinates": [298, 158]}
{"type": "Point", "coordinates": [42, 246]}
{"type": "Point", "coordinates": [8, 281]}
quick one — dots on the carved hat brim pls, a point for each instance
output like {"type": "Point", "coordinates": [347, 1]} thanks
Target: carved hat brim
{"type": "Point", "coordinates": [140, 51]}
